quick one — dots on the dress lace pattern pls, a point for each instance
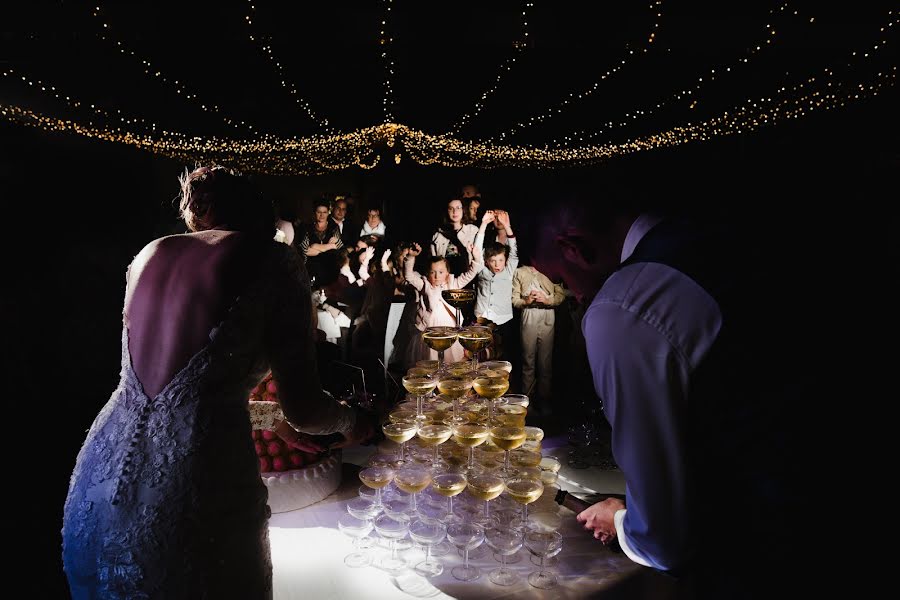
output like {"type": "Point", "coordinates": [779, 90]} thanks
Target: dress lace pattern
{"type": "Point", "coordinates": [165, 500]}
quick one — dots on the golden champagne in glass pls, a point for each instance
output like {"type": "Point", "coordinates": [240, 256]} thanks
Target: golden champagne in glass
{"type": "Point", "coordinates": [400, 433]}
{"type": "Point", "coordinates": [507, 438]}
{"type": "Point", "coordinates": [475, 338]}
{"type": "Point", "coordinates": [471, 435]}
{"type": "Point", "coordinates": [454, 387]}
{"type": "Point", "coordinates": [449, 485]}
{"type": "Point", "coordinates": [439, 339]}
{"type": "Point", "coordinates": [497, 365]}
{"type": "Point", "coordinates": [434, 435]}
{"type": "Point", "coordinates": [512, 415]}
{"type": "Point", "coordinates": [419, 386]}
{"type": "Point", "coordinates": [524, 491]}
{"type": "Point", "coordinates": [491, 388]}
{"type": "Point", "coordinates": [431, 366]}
{"type": "Point", "coordinates": [376, 478]}
{"type": "Point", "coordinates": [486, 487]}
{"type": "Point", "coordinates": [412, 480]}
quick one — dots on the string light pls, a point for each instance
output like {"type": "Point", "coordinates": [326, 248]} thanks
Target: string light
{"type": "Point", "coordinates": [519, 47]}
{"type": "Point", "coordinates": [690, 94]}
{"type": "Point", "coordinates": [384, 41]}
{"type": "Point", "coordinates": [154, 73]}
{"type": "Point", "coordinates": [76, 104]}
{"type": "Point", "coordinates": [266, 49]}
{"type": "Point", "coordinates": [364, 148]}
{"type": "Point", "coordinates": [573, 97]}
{"type": "Point", "coordinates": [319, 154]}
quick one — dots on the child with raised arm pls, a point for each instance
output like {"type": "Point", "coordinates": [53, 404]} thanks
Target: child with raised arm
{"type": "Point", "coordinates": [432, 308]}
{"type": "Point", "coordinates": [494, 282]}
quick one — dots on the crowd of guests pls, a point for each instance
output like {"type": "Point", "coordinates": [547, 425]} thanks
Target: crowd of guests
{"type": "Point", "coordinates": [358, 271]}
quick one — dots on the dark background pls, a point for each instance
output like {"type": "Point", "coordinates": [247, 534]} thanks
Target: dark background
{"type": "Point", "coordinates": [812, 192]}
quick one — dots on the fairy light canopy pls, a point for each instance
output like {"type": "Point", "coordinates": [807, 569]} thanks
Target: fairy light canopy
{"type": "Point", "coordinates": [316, 87]}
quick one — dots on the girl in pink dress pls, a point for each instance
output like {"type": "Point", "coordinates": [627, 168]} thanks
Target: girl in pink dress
{"type": "Point", "coordinates": [432, 309]}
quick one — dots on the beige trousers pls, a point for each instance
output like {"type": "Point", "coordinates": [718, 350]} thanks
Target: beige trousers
{"type": "Point", "coordinates": [537, 352]}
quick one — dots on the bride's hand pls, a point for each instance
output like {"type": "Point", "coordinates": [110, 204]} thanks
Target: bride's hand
{"type": "Point", "coordinates": [362, 432]}
{"type": "Point", "coordinates": [295, 439]}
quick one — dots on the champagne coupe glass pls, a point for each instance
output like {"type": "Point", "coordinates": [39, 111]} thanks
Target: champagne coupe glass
{"type": "Point", "coordinates": [512, 415]}
{"type": "Point", "coordinates": [439, 339]}
{"type": "Point", "coordinates": [449, 485]}
{"type": "Point", "coordinates": [458, 298]}
{"type": "Point", "coordinates": [455, 386]}
{"type": "Point", "coordinates": [392, 529]}
{"type": "Point", "coordinates": [428, 365]}
{"type": "Point", "coordinates": [495, 365]}
{"type": "Point", "coordinates": [419, 386]}
{"type": "Point", "coordinates": [524, 491]}
{"type": "Point", "coordinates": [475, 338]}
{"type": "Point", "coordinates": [470, 435]}
{"type": "Point", "coordinates": [412, 479]}
{"type": "Point", "coordinates": [419, 372]}
{"type": "Point", "coordinates": [505, 541]}
{"type": "Point", "coordinates": [400, 433]}
{"type": "Point", "coordinates": [549, 466]}
{"type": "Point", "coordinates": [376, 478]}
{"type": "Point", "coordinates": [543, 544]}
{"type": "Point", "coordinates": [427, 532]}
{"type": "Point", "coordinates": [465, 536]}
{"type": "Point", "coordinates": [486, 487]}
{"type": "Point", "coordinates": [507, 438]}
{"type": "Point", "coordinates": [460, 368]}
{"type": "Point", "coordinates": [434, 435]}
{"type": "Point", "coordinates": [357, 529]}
{"type": "Point", "coordinates": [533, 438]}
{"type": "Point", "coordinates": [492, 389]}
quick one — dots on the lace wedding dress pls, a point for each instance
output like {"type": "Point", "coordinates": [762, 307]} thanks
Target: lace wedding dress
{"type": "Point", "coordinates": [166, 500]}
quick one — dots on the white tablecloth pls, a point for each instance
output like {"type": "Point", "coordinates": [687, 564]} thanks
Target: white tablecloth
{"type": "Point", "coordinates": [308, 554]}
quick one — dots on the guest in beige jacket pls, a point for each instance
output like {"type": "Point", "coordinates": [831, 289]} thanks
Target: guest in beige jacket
{"type": "Point", "coordinates": [537, 296]}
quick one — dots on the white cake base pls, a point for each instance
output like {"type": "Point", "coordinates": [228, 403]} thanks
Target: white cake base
{"type": "Point", "coordinates": [297, 488]}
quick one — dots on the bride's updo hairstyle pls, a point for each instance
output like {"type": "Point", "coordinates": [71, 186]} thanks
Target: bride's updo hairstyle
{"type": "Point", "coordinates": [216, 196]}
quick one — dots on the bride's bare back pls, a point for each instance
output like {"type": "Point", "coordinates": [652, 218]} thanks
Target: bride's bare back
{"type": "Point", "coordinates": [179, 288]}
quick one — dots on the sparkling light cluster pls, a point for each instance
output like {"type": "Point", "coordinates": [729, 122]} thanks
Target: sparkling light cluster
{"type": "Point", "coordinates": [365, 148]}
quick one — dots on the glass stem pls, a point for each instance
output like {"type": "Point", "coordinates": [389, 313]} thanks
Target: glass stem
{"type": "Point", "coordinates": [487, 509]}
{"type": "Point", "coordinates": [471, 457]}
{"type": "Point", "coordinates": [378, 496]}
{"type": "Point", "coordinates": [419, 402]}
{"type": "Point", "coordinates": [402, 451]}
{"type": "Point", "coordinates": [436, 457]}
{"type": "Point", "coordinates": [506, 462]}
{"type": "Point", "coordinates": [449, 505]}
{"type": "Point", "coordinates": [394, 550]}
{"type": "Point", "coordinates": [427, 553]}
{"type": "Point", "coordinates": [502, 563]}
{"type": "Point", "coordinates": [524, 514]}
{"type": "Point", "coordinates": [412, 502]}
{"type": "Point", "coordinates": [466, 559]}
{"type": "Point", "coordinates": [440, 360]}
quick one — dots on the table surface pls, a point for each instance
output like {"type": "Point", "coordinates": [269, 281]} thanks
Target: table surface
{"type": "Point", "coordinates": [308, 553]}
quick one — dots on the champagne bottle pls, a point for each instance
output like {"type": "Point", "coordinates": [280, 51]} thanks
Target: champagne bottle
{"type": "Point", "coordinates": [577, 505]}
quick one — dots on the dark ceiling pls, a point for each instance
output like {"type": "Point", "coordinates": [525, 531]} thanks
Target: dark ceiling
{"type": "Point", "coordinates": [446, 56]}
